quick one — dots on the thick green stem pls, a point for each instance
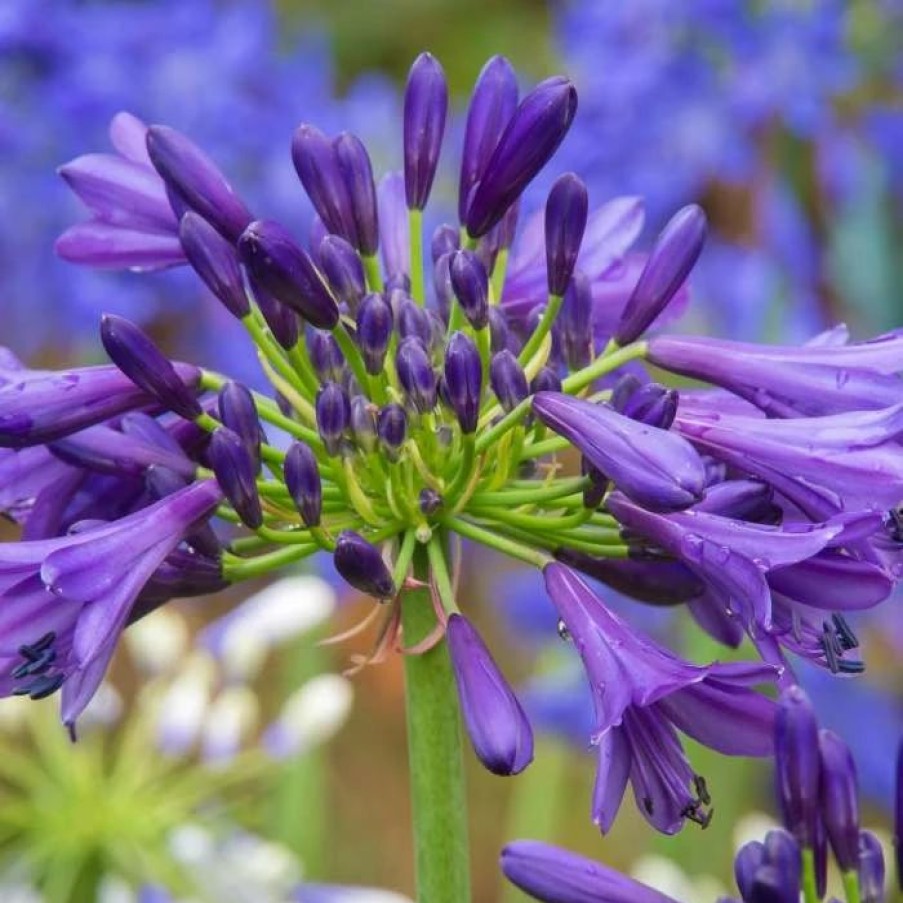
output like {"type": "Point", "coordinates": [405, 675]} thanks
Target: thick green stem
{"type": "Point", "coordinates": [438, 797]}
{"type": "Point", "coordinates": [810, 894]}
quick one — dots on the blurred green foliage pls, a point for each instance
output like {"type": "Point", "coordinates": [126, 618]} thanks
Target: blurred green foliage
{"type": "Point", "coordinates": [388, 34]}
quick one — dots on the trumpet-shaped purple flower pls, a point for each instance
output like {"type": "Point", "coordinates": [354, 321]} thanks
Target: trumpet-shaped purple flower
{"type": "Point", "coordinates": [643, 695]}
{"type": "Point", "coordinates": [731, 556]}
{"type": "Point", "coordinates": [652, 466]}
{"type": "Point", "coordinates": [80, 590]}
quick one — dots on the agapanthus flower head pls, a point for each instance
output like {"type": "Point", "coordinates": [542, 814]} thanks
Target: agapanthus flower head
{"type": "Point", "coordinates": [409, 421]}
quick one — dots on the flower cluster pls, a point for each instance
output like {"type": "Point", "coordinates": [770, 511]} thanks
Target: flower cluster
{"type": "Point", "coordinates": [818, 795]}
{"type": "Point", "coordinates": [492, 389]}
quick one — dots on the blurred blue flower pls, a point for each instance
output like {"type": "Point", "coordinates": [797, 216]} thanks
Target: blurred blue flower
{"type": "Point", "coordinates": [760, 112]}
{"type": "Point", "coordinates": [228, 74]}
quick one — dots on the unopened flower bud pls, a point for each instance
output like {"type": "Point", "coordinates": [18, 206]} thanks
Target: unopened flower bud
{"type": "Point", "coordinates": [238, 412]}
{"type": "Point", "coordinates": [280, 266]}
{"type": "Point", "coordinates": [215, 260]}
{"type": "Point", "coordinates": [363, 423]}
{"type": "Point", "coordinates": [463, 380]}
{"type": "Point", "coordinates": [357, 172]}
{"type": "Point", "coordinates": [325, 355]}
{"type": "Point", "coordinates": [546, 380]}
{"type": "Point", "coordinates": [496, 723]}
{"type": "Point", "coordinates": [282, 319]}
{"type": "Point", "coordinates": [235, 472]}
{"type": "Point", "coordinates": [499, 333]}
{"type": "Point", "coordinates": [343, 268]}
{"type": "Point", "coordinates": [302, 479]}
{"type": "Point", "coordinates": [470, 282]}
{"type": "Point", "coordinates": [133, 352]}
{"type": "Point", "coordinates": [446, 239]}
{"type": "Point", "coordinates": [509, 382]}
{"type": "Point", "coordinates": [333, 413]}
{"type": "Point", "coordinates": [838, 798]}
{"type": "Point", "coordinates": [491, 107]}
{"type": "Point", "coordinates": [374, 330]}
{"type": "Point", "coordinates": [670, 261]}
{"type": "Point", "coordinates": [797, 764]}
{"type": "Point", "coordinates": [317, 165]}
{"type": "Point", "coordinates": [531, 136]}
{"type": "Point", "coordinates": [566, 212]}
{"type": "Point", "coordinates": [392, 428]}
{"type": "Point", "coordinates": [415, 373]}
{"type": "Point", "coordinates": [361, 565]}
{"type": "Point", "coordinates": [575, 322]}
{"type": "Point", "coordinates": [425, 108]}
{"type": "Point", "coordinates": [194, 182]}
{"type": "Point", "coordinates": [413, 321]}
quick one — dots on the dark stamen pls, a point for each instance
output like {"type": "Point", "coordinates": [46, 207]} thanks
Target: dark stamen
{"type": "Point", "coordinates": [702, 790]}
{"type": "Point", "coordinates": [647, 804]}
{"type": "Point", "coordinates": [848, 639]}
{"type": "Point", "coordinates": [45, 685]}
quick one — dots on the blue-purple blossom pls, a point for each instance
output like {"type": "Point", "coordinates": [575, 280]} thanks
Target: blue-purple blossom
{"type": "Point", "coordinates": [642, 694]}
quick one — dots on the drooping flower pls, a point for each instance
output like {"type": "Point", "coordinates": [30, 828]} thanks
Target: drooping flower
{"type": "Point", "coordinates": [641, 694]}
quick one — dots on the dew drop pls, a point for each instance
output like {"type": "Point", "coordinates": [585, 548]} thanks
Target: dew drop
{"type": "Point", "coordinates": [563, 631]}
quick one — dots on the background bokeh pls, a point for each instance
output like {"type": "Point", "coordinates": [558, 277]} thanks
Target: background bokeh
{"type": "Point", "coordinates": [784, 118]}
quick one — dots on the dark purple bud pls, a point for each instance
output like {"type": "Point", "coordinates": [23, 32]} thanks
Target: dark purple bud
{"type": "Point", "coordinates": [470, 282]}
{"type": "Point", "coordinates": [768, 886]}
{"type": "Point", "coordinates": [487, 249]}
{"type": "Point", "coordinates": [871, 869]}
{"type": "Point", "coordinates": [442, 284]}
{"type": "Point", "coordinates": [532, 135]}
{"type": "Point", "coordinates": [392, 428]}
{"type": "Point", "coordinates": [325, 356]}
{"type": "Point", "coordinates": [749, 859]}
{"type": "Point", "coordinates": [374, 330]}
{"type": "Point", "coordinates": [282, 320]}
{"type": "Point", "coordinates": [133, 352]}
{"type": "Point", "coordinates": [566, 211]}
{"type": "Point", "coordinates": [235, 472]}
{"type": "Point", "coordinates": [215, 260]}
{"type": "Point", "coordinates": [361, 565]}
{"type": "Point", "coordinates": [281, 267]}
{"type": "Point", "coordinates": [302, 479]}
{"type": "Point", "coordinates": [652, 404]}
{"type": "Point", "coordinates": [783, 853]}
{"type": "Point", "coordinates": [492, 105]}
{"type": "Point", "coordinates": [238, 413]}
{"type": "Point", "coordinates": [429, 501]}
{"type": "Point", "coordinates": [495, 721]}
{"type": "Point", "coordinates": [797, 764]}
{"type": "Point", "coordinates": [425, 106]}
{"type": "Point", "coordinates": [670, 261]}
{"type": "Point", "coordinates": [509, 382]}
{"type": "Point", "coordinates": [623, 390]}
{"type": "Point", "coordinates": [343, 268]}
{"type": "Point", "coordinates": [499, 334]}
{"type": "Point", "coordinates": [193, 181]}
{"type": "Point", "coordinates": [446, 239]}
{"type": "Point", "coordinates": [354, 164]}
{"type": "Point", "coordinates": [415, 373]}
{"type": "Point", "coordinates": [821, 859]}
{"type": "Point", "coordinates": [413, 321]}
{"type": "Point", "coordinates": [333, 412]}
{"type": "Point", "coordinates": [317, 165]}
{"type": "Point", "coordinates": [463, 380]}
{"type": "Point", "coordinates": [363, 423]}
{"type": "Point", "coordinates": [546, 380]}
{"type": "Point", "coordinates": [575, 322]}
{"type": "Point", "coordinates": [397, 282]}
{"type": "Point", "coordinates": [839, 799]}
{"type": "Point", "coordinates": [594, 494]}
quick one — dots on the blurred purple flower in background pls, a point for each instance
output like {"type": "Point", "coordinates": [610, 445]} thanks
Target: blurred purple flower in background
{"type": "Point", "coordinates": [230, 75]}
{"type": "Point", "coordinates": [779, 118]}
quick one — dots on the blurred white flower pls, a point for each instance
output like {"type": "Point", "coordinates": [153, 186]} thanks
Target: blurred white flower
{"type": "Point", "coordinates": [183, 706]}
{"type": "Point", "coordinates": [230, 719]}
{"type": "Point", "coordinates": [310, 716]}
{"type": "Point", "coordinates": [277, 614]}
{"type": "Point", "coordinates": [158, 642]}
{"type": "Point", "coordinates": [666, 876]}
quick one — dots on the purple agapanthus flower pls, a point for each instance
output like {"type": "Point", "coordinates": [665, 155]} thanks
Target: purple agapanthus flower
{"type": "Point", "coordinates": [66, 600]}
{"type": "Point", "coordinates": [642, 693]}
